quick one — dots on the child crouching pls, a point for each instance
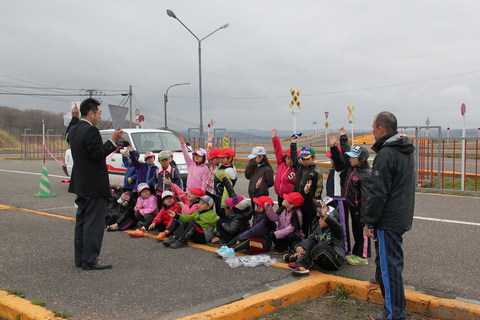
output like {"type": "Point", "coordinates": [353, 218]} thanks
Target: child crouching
{"type": "Point", "coordinates": [324, 247]}
{"type": "Point", "coordinates": [199, 228]}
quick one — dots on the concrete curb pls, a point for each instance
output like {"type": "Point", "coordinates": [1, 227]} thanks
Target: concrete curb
{"type": "Point", "coordinates": [13, 307]}
{"type": "Point", "coordinates": [317, 284]}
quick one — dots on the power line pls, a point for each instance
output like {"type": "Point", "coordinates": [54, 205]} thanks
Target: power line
{"type": "Point", "coordinates": [341, 91]}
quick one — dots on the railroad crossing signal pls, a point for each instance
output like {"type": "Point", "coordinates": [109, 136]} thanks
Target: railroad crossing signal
{"type": "Point", "coordinates": [350, 112]}
{"type": "Point", "coordinates": [295, 98]}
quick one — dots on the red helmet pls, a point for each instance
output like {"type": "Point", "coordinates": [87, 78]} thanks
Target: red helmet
{"type": "Point", "coordinates": [262, 200]}
{"type": "Point", "coordinates": [214, 153]}
{"type": "Point", "coordinates": [289, 152]}
{"type": "Point", "coordinates": [227, 152]}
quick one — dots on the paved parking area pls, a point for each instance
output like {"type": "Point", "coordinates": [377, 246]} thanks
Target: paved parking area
{"type": "Point", "coordinates": [149, 281]}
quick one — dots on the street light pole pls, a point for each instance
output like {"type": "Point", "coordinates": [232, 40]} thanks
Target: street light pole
{"type": "Point", "coordinates": [165, 100]}
{"type": "Point", "coordinates": [171, 14]}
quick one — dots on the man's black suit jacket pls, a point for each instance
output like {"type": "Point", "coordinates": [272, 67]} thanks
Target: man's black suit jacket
{"type": "Point", "coordinates": [89, 173]}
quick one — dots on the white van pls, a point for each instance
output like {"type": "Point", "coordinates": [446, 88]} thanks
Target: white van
{"type": "Point", "coordinates": [142, 140]}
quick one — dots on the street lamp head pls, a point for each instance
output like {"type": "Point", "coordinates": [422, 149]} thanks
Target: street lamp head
{"type": "Point", "coordinates": [171, 14]}
{"type": "Point", "coordinates": [224, 26]}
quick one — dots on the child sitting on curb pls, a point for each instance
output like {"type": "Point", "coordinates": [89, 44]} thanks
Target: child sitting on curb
{"type": "Point", "coordinates": [145, 209]}
{"type": "Point", "coordinates": [238, 217]}
{"type": "Point", "coordinates": [256, 239]}
{"type": "Point", "coordinates": [127, 213]}
{"type": "Point", "coordinates": [289, 219]}
{"type": "Point", "coordinates": [199, 226]}
{"type": "Point", "coordinates": [189, 205]}
{"type": "Point", "coordinates": [324, 247]}
{"type": "Point", "coordinates": [162, 220]}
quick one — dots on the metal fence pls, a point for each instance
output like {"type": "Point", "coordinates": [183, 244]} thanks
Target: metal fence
{"type": "Point", "coordinates": [32, 146]}
{"type": "Point", "coordinates": [440, 162]}
{"type": "Point", "coordinates": [447, 164]}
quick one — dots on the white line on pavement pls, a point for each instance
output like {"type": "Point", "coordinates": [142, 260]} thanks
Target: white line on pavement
{"type": "Point", "coordinates": [37, 174]}
{"type": "Point", "coordinates": [449, 221]}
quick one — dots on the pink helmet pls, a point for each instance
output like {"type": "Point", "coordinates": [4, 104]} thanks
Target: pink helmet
{"type": "Point", "coordinates": [148, 154]}
{"type": "Point", "coordinates": [142, 186]}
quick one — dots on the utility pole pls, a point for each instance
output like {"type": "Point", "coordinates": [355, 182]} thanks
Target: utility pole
{"type": "Point", "coordinates": [130, 94]}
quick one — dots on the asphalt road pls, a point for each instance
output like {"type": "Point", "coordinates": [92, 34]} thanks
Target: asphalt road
{"type": "Point", "coordinates": [149, 281]}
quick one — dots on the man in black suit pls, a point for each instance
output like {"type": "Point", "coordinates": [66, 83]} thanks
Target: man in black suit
{"type": "Point", "coordinates": [89, 182]}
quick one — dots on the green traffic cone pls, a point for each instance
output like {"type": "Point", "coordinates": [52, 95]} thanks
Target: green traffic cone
{"type": "Point", "coordinates": [44, 191]}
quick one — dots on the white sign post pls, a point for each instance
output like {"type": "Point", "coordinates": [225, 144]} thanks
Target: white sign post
{"type": "Point", "coordinates": [292, 105]}
{"type": "Point", "coordinates": [463, 110]}
{"type": "Point", "coordinates": [350, 114]}
{"type": "Point", "coordinates": [326, 133]}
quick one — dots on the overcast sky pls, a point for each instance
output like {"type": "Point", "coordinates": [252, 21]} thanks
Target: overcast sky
{"type": "Point", "coordinates": [417, 59]}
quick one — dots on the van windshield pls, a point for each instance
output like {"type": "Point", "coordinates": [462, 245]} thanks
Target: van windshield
{"type": "Point", "coordinates": [156, 142]}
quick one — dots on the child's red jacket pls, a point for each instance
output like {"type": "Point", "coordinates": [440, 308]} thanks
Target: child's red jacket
{"type": "Point", "coordinates": [163, 217]}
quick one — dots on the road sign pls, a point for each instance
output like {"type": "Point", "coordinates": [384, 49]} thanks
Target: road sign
{"type": "Point", "coordinates": [463, 109]}
{"type": "Point", "coordinates": [326, 115]}
{"type": "Point", "coordinates": [141, 118]}
{"type": "Point", "coordinates": [295, 98]}
{"type": "Point", "coordinates": [326, 124]}
{"type": "Point", "coordinates": [137, 112]}
{"type": "Point", "coordinates": [350, 112]}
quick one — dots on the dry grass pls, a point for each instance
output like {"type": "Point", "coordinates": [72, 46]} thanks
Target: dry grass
{"type": "Point", "coordinates": [9, 142]}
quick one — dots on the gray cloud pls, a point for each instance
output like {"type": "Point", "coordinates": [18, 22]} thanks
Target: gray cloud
{"type": "Point", "coordinates": [418, 59]}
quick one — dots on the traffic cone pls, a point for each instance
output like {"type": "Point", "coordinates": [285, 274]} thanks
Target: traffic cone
{"type": "Point", "coordinates": [44, 191]}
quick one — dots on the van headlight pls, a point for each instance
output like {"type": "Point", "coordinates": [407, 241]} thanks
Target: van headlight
{"type": "Point", "coordinates": [182, 168]}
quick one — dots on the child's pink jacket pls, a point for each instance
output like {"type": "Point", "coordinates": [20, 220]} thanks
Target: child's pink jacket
{"type": "Point", "coordinates": [188, 207]}
{"type": "Point", "coordinates": [149, 205]}
{"type": "Point", "coordinates": [197, 174]}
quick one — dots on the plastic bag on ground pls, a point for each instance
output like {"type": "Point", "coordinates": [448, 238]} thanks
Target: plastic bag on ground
{"type": "Point", "coordinates": [250, 261]}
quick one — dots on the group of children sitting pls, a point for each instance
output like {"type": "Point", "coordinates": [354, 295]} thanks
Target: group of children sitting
{"type": "Point", "coordinates": [305, 229]}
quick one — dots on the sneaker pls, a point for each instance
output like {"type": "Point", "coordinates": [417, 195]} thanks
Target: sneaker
{"type": "Point", "coordinates": [292, 265]}
{"type": "Point", "coordinates": [139, 233]}
{"type": "Point", "coordinates": [221, 250]}
{"type": "Point", "coordinates": [225, 251]}
{"type": "Point", "coordinates": [229, 252]}
{"type": "Point", "coordinates": [377, 316]}
{"type": "Point", "coordinates": [300, 271]}
{"type": "Point", "coordinates": [178, 244]}
{"type": "Point", "coordinates": [170, 241]}
{"type": "Point", "coordinates": [161, 236]}
{"type": "Point", "coordinates": [280, 251]}
{"type": "Point", "coordinates": [374, 283]}
{"type": "Point", "coordinates": [356, 260]}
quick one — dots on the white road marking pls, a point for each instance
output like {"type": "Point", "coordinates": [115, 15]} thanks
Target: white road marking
{"type": "Point", "coordinates": [37, 174]}
{"type": "Point", "coordinates": [449, 221]}
{"type": "Point", "coordinates": [416, 217]}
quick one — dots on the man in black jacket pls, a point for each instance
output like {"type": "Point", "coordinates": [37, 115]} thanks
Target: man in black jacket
{"type": "Point", "coordinates": [89, 182]}
{"type": "Point", "coordinates": [389, 211]}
